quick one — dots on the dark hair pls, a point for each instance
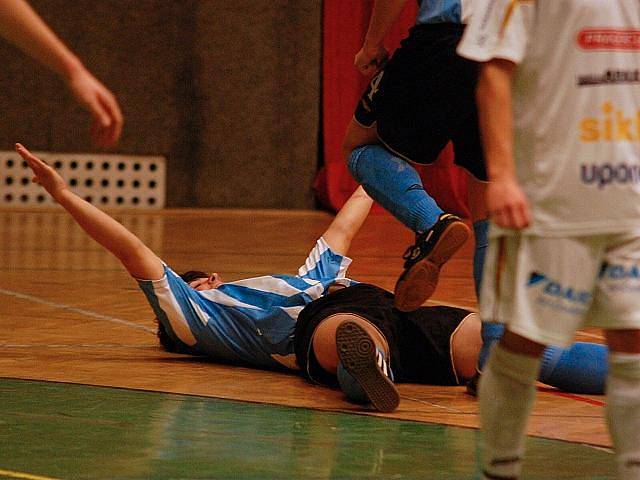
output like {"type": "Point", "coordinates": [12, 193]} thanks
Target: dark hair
{"type": "Point", "coordinates": [167, 342]}
{"type": "Point", "coordinates": [192, 275]}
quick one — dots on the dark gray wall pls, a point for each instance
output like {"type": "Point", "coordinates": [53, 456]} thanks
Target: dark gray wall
{"type": "Point", "coordinates": [227, 90]}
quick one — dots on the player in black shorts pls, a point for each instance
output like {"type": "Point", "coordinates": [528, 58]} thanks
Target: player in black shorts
{"type": "Point", "coordinates": [430, 345]}
{"type": "Point", "coordinates": [356, 339]}
{"type": "Point", "coordinates": [419, 100]}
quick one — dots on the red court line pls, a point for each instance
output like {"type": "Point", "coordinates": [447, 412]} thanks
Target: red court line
{"type": "Point", "coordinates": [597, 403]}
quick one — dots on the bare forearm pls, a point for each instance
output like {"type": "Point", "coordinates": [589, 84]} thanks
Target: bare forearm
{"type": "Point", "coordinates": [385, 14]}
{"type": "Point", "coordinates": [348, 221]}
{"type": "Point", "coordinates": [496, 118]}
{"type": "Point", "coordinates": [22, 26]}
{"type": "Point", "coordinates": [136, 257]}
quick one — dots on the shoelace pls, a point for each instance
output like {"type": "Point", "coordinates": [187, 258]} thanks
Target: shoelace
{"type": "Point", "coordinates": [412, 252]}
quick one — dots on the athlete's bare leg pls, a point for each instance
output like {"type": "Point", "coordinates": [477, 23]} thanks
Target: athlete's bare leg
{"type": "Point", "coordinates": [356, 136]}
{"type": "Point", "coordinates": [324, 339]}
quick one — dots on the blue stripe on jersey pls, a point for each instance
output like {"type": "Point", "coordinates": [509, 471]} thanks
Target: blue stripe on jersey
{"type": "Point", "coordinates": [266, 299]}
{"type": "Point", "coordinates": [327, 265]}
{"type": "Point", "coordinates": [252, 319]}
{"type": "Point", "coordinates": [439, 11]}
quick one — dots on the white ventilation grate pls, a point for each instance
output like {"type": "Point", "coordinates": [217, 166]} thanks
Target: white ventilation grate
{"type": "Point", "coordinates": [104, 180]}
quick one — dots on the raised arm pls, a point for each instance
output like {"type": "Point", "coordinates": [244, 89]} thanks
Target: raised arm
{"type": "Point", "coordinates": [507, 204]}
{"type": "Point", "coordinates": [348, 221]}
{"type": "Point", "coordinates": [21, 25]}
{"type": "Point", "coordinates": [136, 257]}
{"type": "Point", "coordinates": [373, 53]}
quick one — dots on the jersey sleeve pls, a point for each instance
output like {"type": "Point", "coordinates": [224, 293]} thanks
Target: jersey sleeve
{"type": "Point", "coordinates": [498, 29]}
{"type": "Point", "coordinates": [324, 263]}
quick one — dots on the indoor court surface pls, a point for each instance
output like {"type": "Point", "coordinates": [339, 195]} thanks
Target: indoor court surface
{"type": "Point", "coordinates": [87, 392]}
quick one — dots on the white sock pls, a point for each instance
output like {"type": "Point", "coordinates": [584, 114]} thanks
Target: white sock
{"type": "Point", "coordinates": [506, 395]}
{"type": "Point", "coordinates": [623, 412]}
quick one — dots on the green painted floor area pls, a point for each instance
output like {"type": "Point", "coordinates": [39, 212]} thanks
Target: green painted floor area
{"type": "Point", "coordinates": [67, 431]}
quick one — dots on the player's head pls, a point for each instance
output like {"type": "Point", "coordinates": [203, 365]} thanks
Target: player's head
{"type": "Point", "coordinates": [202, 281]}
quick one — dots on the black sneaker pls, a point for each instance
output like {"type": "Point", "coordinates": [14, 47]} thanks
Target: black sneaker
{"type": "Point", "coordinates": [424, 259]}
{"type": "Point", "coordinates": [367, 365]}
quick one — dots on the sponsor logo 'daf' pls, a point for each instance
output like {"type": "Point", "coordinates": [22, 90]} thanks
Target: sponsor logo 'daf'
{"type": "Point", "coordinates": [555, 289]}
{"type": "Point", "coordinates": [551, 294]}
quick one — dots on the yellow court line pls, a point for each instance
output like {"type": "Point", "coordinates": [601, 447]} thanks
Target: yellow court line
{"type": "Point", "coordinates": [26, 476]}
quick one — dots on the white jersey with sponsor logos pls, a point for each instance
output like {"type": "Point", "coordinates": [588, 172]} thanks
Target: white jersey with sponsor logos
{"type": "Point", "coordinates": [576, 100]}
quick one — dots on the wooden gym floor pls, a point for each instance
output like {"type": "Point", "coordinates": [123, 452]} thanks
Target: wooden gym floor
{"type": "Point", "coordinates": [69, 313]}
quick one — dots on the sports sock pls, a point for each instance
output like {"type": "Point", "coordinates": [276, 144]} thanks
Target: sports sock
{"type": "Point", "coordinates": [481, 231]}
{"type": "Point", "coordinates": [350, 386]}
{"type": "Point", "coordinates": [491, 332]}
{"type": "Point", "coordinates": [581, 368]}
{"type": "Point", "coordinates": [506, 395]}
{"type": "Point", "coordinates": [394, 184]}
{"type": "Point", "coordinates": [623, 412]}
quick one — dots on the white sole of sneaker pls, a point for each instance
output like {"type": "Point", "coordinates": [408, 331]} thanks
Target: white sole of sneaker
{"type": "Point", "coordinates": [357, 353]}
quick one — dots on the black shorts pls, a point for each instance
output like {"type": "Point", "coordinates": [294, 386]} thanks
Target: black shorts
{"type": "Point", "coordinates": [419, 341]}
{"type": "Point", "coordinates": [424, 98]}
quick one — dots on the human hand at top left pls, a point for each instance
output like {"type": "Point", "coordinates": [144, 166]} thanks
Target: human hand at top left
{"type": "Point", "coordinates": [101, 103]}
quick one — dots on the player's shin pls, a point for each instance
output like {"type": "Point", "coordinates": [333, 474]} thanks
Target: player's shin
{"type": "Point", "coordinates": [394, 184]}
{"type": "Point", "coordinates": [623, 412]}
{"type": "Point", "coordinates": [506, 397]}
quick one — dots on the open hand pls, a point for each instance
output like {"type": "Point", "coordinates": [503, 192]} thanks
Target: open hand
{"type": "Point", "coordinates": [508, 206]}
{"type": "Point", "coordinates": [95, 97]}
{"type": "Point", "coordinates": [43, 173]}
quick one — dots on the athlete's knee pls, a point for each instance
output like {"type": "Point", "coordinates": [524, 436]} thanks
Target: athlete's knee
{"type": "Point", "coordinates": [324, 339]}
{"type": "Point", "coordinates": [353, 162]}
{"type": "Point", "coordinates": [357, 136]}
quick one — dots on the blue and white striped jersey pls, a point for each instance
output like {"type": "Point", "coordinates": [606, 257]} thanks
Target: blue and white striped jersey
{"type": "Point", "coordinates": [248, 321]}
{"type": "Point", "coordinates": [443, 11]}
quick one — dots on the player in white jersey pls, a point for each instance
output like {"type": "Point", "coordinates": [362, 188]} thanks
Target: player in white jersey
{"type": "Point", "coordinates": [421, 99]}
{"type": "Point", "coordinates": [559, 106]}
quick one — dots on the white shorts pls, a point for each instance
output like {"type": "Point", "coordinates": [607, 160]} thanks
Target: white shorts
{"type": "Point", "coordinates": [546, 288]}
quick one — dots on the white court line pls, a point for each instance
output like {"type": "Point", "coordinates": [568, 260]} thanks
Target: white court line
{"type": "Point", "coordinates": [431, 404]}
{"type": "Point", "coordinates": [68, 308]}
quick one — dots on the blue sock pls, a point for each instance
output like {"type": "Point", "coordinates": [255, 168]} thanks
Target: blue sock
{"type": "Point", "coordinates": [350, 386]}
{"type": "Point", "coordinates": [394, 184]}
{"type": "Point", "coordinates": [581, 368]}
{"type": "Point", "coordinates": [481, 230]}
{"type": "Point", "coordinates": [491, 332]}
